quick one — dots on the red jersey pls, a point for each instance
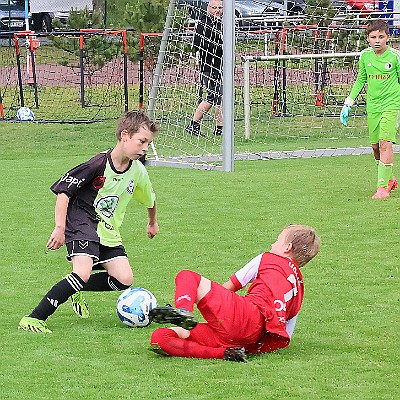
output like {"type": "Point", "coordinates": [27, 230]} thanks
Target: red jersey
{"type": "Point", "coordinates": [277, 289]}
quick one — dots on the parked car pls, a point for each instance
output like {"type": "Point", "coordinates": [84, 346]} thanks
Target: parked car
{"type": "Point", "coordinates": [12, 15]}
{"type": "Point", "coordinates": [341, 5]}
{"type": "Point", "coordinates": [365, 6]}
{"type": "Point", "coordinates": [248, 13]}
{"type": "Point", "coordinates": [43, 12]}
{"type": "Point", "coordinates": [43, 21]}
{"type": "Point", "coordinates": [294, 7]}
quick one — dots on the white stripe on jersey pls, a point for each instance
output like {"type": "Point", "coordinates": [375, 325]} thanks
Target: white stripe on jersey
{"type": "Point", "coordinates": [249, 272]}
{"type": "Point", "coordinates": [290, 324]}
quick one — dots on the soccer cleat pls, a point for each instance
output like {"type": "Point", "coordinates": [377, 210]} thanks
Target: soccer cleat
{"type": "Point", "coordinates": [33, 325]}
{"type": "Point", "coordinates": [393, 184]}
{"type": "Point", "coordinates": [79, 305]}
{"type": "Point", "coordinates": [193, 128]}
{"type": "Point", "coordinates": [381, 193]}
{"type": "Point", "coordinates": [158, 350]}
{"type": "Point", "coordinates": [237, 354]}
{"type": "Point", "coordinates": [176, 316]}
{"type": "Point", "coordinates": [218, 130]}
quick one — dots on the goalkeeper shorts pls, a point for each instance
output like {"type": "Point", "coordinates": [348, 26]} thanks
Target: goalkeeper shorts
{"type": "Point", "coordinates": [383, 126]}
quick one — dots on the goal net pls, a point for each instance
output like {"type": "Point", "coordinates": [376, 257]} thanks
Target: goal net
{"type": "Point", "coordinates": [65, 76]}
{"type": "Point", "coordinates": [291, 76]}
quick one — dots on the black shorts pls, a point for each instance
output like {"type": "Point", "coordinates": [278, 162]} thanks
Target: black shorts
{"type": "Point", "coordinates": [213, 84]}
{"type": "Point", "coordinates": [95, 250]}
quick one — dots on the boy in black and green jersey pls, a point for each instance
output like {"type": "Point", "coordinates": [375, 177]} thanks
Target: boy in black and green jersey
{"type": "Point", "coordinates": [379, 66]}
{"type": "Point", "coordinates": [91, 202]}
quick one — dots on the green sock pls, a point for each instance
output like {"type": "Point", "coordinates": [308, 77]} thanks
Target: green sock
{"type": "Point", "coordinates": [385, 172]}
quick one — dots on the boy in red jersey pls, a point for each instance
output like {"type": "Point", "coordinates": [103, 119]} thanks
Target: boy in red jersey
{"type": "Point", "coordinates": [261, 321]}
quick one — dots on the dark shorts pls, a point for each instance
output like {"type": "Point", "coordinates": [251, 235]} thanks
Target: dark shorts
{"type": "Point", "coordinates": [95, 250]}
{"type": "Point", "coordinates": [232, 320]}
{"type": "Point", "coordinates": [213, 84]}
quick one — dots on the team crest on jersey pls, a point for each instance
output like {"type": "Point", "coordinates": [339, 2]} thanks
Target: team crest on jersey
{"type": "Point", "coordinates": [98, 182]}
{"type": "Point", "coordinates": [130, 187]}
{"type": "Point", "coordinates": [107, 205]}
{"type": "Point", "coordinates": [388, 66]}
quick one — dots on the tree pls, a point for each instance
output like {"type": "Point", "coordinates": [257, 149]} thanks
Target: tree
{"type": "Point", "coordinates": [143, 16]}
{"type": "Point", "coordinates": [99, 49]}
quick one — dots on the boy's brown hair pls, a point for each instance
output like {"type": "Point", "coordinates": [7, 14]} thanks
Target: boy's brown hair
{"type": "Point", "coordinates": [377, 25]}
{"type": "Point", "coordinates": [131, 121]}
{"type": "Point", "coordinates": [305, 243]}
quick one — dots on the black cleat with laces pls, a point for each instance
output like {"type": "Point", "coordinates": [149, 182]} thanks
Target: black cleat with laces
{"type": "Point", "coordinates": [193, 128]}
{"type": "Point", "coordinates": [176, 316]}
{"type": "Point", "coordinates": [237, 354]}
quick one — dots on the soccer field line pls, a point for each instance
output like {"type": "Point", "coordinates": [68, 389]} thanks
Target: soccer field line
{"type": "Point", "coordinates": [205, 161]}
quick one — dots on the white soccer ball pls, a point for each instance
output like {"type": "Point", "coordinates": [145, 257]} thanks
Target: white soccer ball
{"type": "Point", "coordinates": [25, 114]}
{"type": "Point", "coordinates": [133, 306]}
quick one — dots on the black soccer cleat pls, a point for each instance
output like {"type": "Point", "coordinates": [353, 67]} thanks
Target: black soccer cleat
{"type": "Point", "coordinates": [176, 316]}
{"type": "Point", "coordinates": [218, 130]}
{"type": "Point", "coordinates": [237, 354]}
{"type": "Point", "coordinates": [193, 128]}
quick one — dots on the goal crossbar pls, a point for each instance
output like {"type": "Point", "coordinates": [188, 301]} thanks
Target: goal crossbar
{"type": "Point", "coordinates": [278, 57]}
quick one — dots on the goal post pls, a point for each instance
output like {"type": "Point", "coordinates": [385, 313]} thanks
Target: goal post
{"type": "Point", "coordinates": [284, 57]}
{"type": "Point", "coordinates": [283, 98]}
{"type": "Point", "coordinates": [79, 76]}
{"type": "Point", "coordinates": [226, 155]}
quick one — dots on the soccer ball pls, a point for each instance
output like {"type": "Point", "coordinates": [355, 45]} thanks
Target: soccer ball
{"type": "Point", "coordinates": [133, 306]}
{"type": "Point", "coordinates": [25, 114]}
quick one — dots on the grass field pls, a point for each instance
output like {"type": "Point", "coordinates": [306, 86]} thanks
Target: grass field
{"type": "Point", "coordinates": [346, 341]}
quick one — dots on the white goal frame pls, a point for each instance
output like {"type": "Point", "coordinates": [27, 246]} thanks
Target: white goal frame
{"type": "Point", "coordinates": [226, 153]}
{"type": "Point", "coordinates": [246, 74]}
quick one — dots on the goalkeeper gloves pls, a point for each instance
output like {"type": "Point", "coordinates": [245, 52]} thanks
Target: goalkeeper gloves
{"type": "Point", "coordinates": [344, 114]}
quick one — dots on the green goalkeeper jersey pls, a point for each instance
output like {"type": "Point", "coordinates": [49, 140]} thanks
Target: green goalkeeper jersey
{"type": "Point", "coordinates": [382, 74]}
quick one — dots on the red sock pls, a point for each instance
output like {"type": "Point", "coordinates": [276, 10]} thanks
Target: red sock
{"type": "Point", "coordinates": [186, 282]}
{"type": "Point", "coordinates": [169, 341]}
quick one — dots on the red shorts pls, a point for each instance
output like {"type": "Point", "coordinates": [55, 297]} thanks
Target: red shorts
{"type": "Point", "coordinates": [232, 320]}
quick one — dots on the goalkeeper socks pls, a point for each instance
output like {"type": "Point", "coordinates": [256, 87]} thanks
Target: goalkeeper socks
{"type": "Point", "coordinates": [391, 174]}
{"type": "Point", "coordinates": [385, 173]}
{"type": "Point", "coordinates": [187, 283]}
{"type": "Point", "coordinates": [169, 341]}
{"type": "Point", "coordinates": [57, 295]}
{"type": "Point", "coordinates": [102, 282]}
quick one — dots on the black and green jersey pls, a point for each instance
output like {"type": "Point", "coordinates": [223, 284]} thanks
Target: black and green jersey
{"type": "Point", "coordinates": [99, 195]}
{"type": "Point", "coordinates": [382, 73]}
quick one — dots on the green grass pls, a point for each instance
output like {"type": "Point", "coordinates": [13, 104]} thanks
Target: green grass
{"type": "Point", "coordinates": [346, 341]}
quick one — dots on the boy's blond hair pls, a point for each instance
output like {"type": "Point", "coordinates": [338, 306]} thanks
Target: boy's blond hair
{"type": "Point", "coordinates": [377, 25]}
{"type": "Point", "coordinates": [131, 121]}
{"type": "Point", "coordinates": [305, 243]}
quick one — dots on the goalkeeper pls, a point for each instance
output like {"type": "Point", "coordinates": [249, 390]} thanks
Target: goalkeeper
{"type": "Point", "coordinates": [261, 321]}
{"type": "Point", "coordinates": [379, 66]}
